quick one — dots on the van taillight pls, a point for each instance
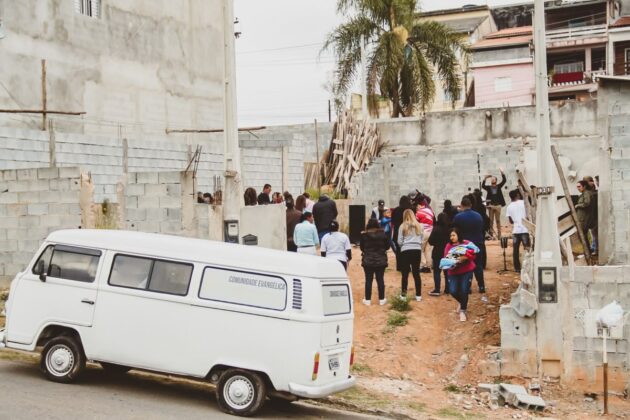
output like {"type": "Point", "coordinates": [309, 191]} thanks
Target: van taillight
{"type": "Point", "coordinates": [315, 366]}
{"type": "Point", "coordinates": [352, 356]}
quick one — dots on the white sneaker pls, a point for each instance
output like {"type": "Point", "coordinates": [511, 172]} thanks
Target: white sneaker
{"type": "Point", "coordinates": [382, 302]}
{"type": "Point", "coordinates": [403, 297]}
{"type": "Point", "coordinates": [366, 302]}
{"type": "Point", "coordinates": [462, 316]}
{"type": "Point", "coordinates": [419, 298]}
{"type": "Point", "coordinates": [484, 299]}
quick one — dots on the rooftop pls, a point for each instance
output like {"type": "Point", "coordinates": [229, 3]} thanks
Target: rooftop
{"type": "Point", "coordinates": [464, 25]}
{"type": "Point", "coordinates": [621, 22]}
{"type": "Point", "coordinates": [463, 9]}
{"type": "Point", "coordinates": [505, 38]}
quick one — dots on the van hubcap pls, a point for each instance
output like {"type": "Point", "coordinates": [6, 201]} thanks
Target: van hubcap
{"type": "Point", "coordinates": [59, 360]}
{"type": "Point", "coordinates": [238, 391]}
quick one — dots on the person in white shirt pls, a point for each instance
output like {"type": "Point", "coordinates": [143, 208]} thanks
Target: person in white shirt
{"type": "Point", "coordinates": [516, 213]}
{"type": "Point", "coordinates": [305, 235]}
{"type": "Point", "coordinates": [336, 245]}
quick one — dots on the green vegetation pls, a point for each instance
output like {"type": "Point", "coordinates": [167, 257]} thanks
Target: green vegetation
{"type": "Point", "coordinates": [452, 388]}
{"type": "Point", "coordinates": [397, 319]}
{"type": "Point", "coordinates": [418, 406]}
{"type": "Point", "coordinates": [405, 57]}
{"type": "Point", "coordinates": [400, 304]}
{"type": "Point", "coordinates": [314, 193]}
{"type": "Point", "coordinates": [450, 413]}
{"type": "Point", "coordinates": [361, 368]}
{"type": "Point", "coordinates": [4, 294]}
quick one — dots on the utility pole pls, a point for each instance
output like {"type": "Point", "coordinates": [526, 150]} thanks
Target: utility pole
{"type": "Point", "coordinates": [364, 106]}
{"type": "Point", "coordinates": [547, 258]}
{"type": "Point", "coordinates": [233, 194]}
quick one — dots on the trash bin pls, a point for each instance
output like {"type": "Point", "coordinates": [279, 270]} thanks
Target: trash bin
{"type": "Point", "coordinates": [250, 240]}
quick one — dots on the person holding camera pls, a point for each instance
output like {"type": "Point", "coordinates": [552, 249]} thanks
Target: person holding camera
{"type": "Point", "coordinates": [495, 199]}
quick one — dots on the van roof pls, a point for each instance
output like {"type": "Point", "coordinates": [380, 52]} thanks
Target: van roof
{"type": "Point", "coordinates": [201, 250]}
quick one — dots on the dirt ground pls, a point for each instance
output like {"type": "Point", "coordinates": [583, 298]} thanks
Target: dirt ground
{"type": "Point", "coordinates": [429, 367]}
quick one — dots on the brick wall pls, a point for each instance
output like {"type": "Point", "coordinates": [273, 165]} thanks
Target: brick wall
{"type": "Point", "coordinates": [34, 203]}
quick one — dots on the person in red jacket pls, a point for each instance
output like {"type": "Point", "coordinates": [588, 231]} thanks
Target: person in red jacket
{"type": "Point", "coordinates": [425, 216]}
{"type": "Point", "coordinates": [460, 276]}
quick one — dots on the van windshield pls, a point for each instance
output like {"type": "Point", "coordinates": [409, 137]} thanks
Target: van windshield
{"type": "Point", "coordinates": [336, 299]}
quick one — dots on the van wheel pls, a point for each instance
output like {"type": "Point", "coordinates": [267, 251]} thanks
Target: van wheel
{"type": "Point", "coordinates": [114, 369]}
{"type": "Point", "coordinates": [241, 392]}
{"type": "Point", "coordinates": [62, 359]}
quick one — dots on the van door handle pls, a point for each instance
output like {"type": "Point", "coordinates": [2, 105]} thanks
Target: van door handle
{"type": "Point", "coordinates": [89, 302]}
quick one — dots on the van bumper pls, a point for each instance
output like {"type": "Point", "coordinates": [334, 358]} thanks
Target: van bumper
{"type": "Point", "coordinates": [306, 391]}
{"type": "Point", "coordinates": [2, 338]}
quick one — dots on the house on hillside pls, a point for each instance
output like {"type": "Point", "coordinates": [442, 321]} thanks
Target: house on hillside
{"type": "Point", "coordinates": [472, 23]}
{"type": "Point", "coordinates": [585, 39]}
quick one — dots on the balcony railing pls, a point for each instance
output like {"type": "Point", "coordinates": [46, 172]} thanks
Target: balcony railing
{"type": "Point", "coordinates": [576, 33]}
{"type": "Point", "coordinates": [574, 78]}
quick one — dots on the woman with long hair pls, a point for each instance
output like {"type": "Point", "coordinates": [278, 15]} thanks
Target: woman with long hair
{"type": "Point", "coordinates": [251, 199]}
{"type": "Point", "coordinates": [300, 203]}
{"type": "Point", "coordinates": [397, 219]}
{"type": "Point", "coordinates": [410, 242]}
{"type": "Point", "coordinates": [374, 245]}
{"type": "Point", "coordinates": [462, 253]}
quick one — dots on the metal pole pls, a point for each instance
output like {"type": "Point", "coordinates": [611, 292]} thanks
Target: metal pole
{"type": "Point", "coordinates": [44, 96]}
{"type": "Point", "coordinates": [233, 194]}
{"type": "Point", "coordinates": [547, 256]}
{"type": "Point", "coordinates": [319, 176]}
{"type": "Point", "coordinates": [605, 351]}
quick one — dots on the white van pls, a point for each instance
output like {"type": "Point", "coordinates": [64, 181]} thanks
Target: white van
{"type": "Point", "coordinates": [256, 322]}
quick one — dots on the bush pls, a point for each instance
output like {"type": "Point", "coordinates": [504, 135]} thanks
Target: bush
{"type": "Point", "coordinates": [4, 294]}
{"type": "Point", "coordinates": [399, 304]}
{"type": "Point", "coordinates": [397, 319]}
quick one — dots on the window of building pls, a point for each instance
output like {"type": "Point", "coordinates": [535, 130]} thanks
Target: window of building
{"type": "Point", "coordinates": [149, 274]}
{"type": "Point", "coordinates": [90, 8]}
{"type": "Point", "coordinates": [502, 84]}
{"type": "Point", "coordinates": [68, 263]}
{"type": "Point", "coordinates": [575, 67]}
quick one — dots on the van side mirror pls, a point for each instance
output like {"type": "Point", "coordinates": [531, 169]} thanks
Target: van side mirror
{"type": "Point", "coordinates": [40, 270]}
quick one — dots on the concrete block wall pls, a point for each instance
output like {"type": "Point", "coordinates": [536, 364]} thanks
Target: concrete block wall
{"type": "Point", "coordinates": [153, 202]}
{"type": "Point", "coordinates": [446, 172]}
{"type": "Point", "coordinates": [34, 203]}
{"type": "Point", "coordinates": [591, 289]}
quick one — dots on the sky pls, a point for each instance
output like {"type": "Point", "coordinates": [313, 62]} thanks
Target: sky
{"type": "Point", "coordinates": [281, 76]}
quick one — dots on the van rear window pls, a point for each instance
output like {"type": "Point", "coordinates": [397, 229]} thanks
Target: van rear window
{"type": "Point", "coordinates": [336, 299]}
{"type": "Point", "coordinates": [244, 288]}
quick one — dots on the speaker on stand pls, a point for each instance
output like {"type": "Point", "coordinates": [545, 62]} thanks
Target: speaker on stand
{"type": "Point", "coordinates": [356, 222]}
{"type": "Point", "coordinates": [504, 245]}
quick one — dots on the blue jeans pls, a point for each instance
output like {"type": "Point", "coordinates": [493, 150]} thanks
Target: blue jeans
{"type": "Point", "coordinates": [517, 239]}
{"type": "Point", "coordinates": [480, 266]}
{"type": "Point", "coordinates": [437, 273]}
{"type": "Point", "coordinates": [459, 286]}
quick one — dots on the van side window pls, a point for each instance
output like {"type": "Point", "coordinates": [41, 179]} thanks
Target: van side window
{"type": "Point", "coordinates": [150, 274]}
{"type": "Point", "coordinates": [43, 262]}
{"type": "Point", "coordinates": [71, 263]}
{"type": "Point", "coordinates": [169, 277]}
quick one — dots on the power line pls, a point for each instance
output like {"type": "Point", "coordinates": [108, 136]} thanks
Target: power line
{"type": "Point", "coordinates": [289, 47]}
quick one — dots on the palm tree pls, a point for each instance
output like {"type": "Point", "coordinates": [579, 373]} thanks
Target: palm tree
{"type": "Point", "coordinates": [402, 53]}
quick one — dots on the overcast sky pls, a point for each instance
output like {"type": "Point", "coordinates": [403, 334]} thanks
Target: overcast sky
{"type": "Point", "coordinates": [280, 76]}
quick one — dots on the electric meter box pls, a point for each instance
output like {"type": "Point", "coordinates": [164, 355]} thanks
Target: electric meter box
{"type": "Point", "coordinates": [547, 284]}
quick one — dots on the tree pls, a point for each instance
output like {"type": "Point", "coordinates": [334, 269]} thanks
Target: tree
{"type": "Point", "coordinates": [402, 53]}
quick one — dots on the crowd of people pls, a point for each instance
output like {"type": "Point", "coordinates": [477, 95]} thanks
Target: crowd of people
{"type": "Point", "coordinates": [451, 245]}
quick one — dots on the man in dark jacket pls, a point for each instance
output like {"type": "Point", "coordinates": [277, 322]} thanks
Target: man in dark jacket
{"type": "Point", "coordinates": [470, 225]}
{"type": "Point", "coordinates": [324, 211]}
{"type": "Point", "coordinates": [495, 199]}
{"type": "Point", "coordinates": [263, 197]}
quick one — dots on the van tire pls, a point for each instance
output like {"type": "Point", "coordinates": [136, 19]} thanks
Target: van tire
{"type": "Point", "coordinates": [241, 392]}
{"type": "Point", "coordinates": [114, 369]}
{"type": "Point", "coordinates": [62, 359]}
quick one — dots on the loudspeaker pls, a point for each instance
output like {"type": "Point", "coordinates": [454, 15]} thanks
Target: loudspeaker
{"type": "Point", "coordinates": [356, 222]}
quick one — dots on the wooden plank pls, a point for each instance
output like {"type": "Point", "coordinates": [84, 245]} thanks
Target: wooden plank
{"type": "Point", "coordinates": [337, 142]}
{"type": "Point", "coordinates": [352, 162]}
{"type": "Point", "coordinates": [338, 152]}
{"type": "Point", "coordinates": [567, 196]}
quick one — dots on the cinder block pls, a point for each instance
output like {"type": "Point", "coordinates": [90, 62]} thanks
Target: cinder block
{"type": "Point", "coordinates": [47, 173]}
{"type": "Point", "coordinates": [156, 214]}
{"type": "Point", "coordinates": [170, 202]}
{"type": "Point", "coordinates": [147, 177]}
{"type": "Point", "coordinates": [171, 227]}
{"type": "Point", "coordinates": [37, 209]}
{"type": "Point", "coordinates": [174, 214]}
{"type": "Point", "coordinates": [131, 202]}
{"type": "Point", "coordinates": [9, 175]}
{"type": "Point", "coordinates": [14, 210]}
{"type": "Point", "coordinates": [136, 214]}
{"type": "Point", "coordinates": [67, 197]}
{"type": "Point", "coordinates": [28, 221]}
{"type": "Point", "coordinates": [26, 174]}
{"type": "Point", "coordinates": [174, 190]}
{"type": "Point", "coordinates": [59, 184]}
{"type": "Point", "coordinates": [70, 222]}
{"type": "Point", "coordinates": [155, 190]}
{"type": "Point", "coordinates": [134, 190]}
{"type": "Point", "coordinates": [169, 177]}
{"type": "Point", "coordinates": [145, 202]}
{"type": "Point", "coordinates": [50, 221]}
{"type": "Point", "coordinates": [72, 172]}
